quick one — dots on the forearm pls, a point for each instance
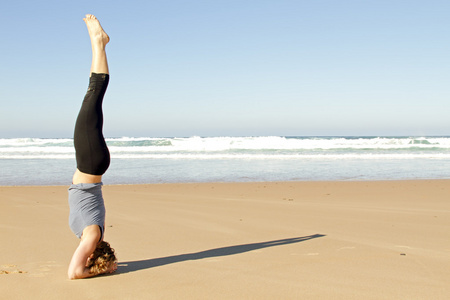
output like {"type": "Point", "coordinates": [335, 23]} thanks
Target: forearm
{"type": "Point", "coordinates": [83, 273]}
{"type": "Point", "coordinates": [77, 266]}
{"type": "Point", "coordinates": [86, 272]}
{"type": "Point", "coordinates": [80, 274]}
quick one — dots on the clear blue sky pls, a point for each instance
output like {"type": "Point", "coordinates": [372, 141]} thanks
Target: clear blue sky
{"type": "Point", "coordinates": [228, 67]}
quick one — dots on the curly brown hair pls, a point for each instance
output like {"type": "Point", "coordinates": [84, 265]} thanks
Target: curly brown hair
{"type": "Point", "coordinates": [103, 258]}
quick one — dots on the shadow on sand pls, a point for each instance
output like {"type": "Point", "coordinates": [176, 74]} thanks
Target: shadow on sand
{"type": "Point", "coordinates": [131, 266]}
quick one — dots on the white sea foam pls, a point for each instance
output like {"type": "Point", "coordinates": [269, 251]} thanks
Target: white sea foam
{"type": "Point", "coordinates": [273, 147]}
{"type": "Point", "coordinates": [291, 143]}
{"type": "Point", "coordinates": [149, 160]}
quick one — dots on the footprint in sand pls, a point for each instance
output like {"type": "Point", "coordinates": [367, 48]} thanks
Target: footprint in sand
{"type": "Point", "coordinates": [40, 269]}
{"type": "Point", "coordinates": [37, 269]}
{"type": "Point", "coordinates": [48, 266]}
{"type": "Point", "coordinates": [10, 269]}
{"type": "Point", "coordinates": [406, 247]}
{"type": "Point", "coordinates": [346, 248]}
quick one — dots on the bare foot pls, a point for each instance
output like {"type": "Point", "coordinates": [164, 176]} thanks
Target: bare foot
{"type": "Point", "coordinates": [96, 33]}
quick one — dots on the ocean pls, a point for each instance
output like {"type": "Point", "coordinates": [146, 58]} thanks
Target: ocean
{"type": "Point", "coordinates": [138, 160]}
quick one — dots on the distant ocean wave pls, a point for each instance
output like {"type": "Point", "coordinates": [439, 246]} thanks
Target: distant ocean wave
{"type": "Point", "coordinates": [135, 160]}
{"type": "Point", "coordinates": [265, 147]}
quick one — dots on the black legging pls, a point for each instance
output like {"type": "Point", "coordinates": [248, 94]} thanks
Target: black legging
{"type": "Point", "coordinates": [91, 151]}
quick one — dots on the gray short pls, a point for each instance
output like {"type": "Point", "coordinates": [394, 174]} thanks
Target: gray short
{"type": "Point", "coordinates": [86, 207]}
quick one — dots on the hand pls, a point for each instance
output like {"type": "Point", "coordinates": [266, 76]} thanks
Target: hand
{"type": "Point", "coordinates": [112, 268]}
{"type": "Point", "coordinates": [88, 261]}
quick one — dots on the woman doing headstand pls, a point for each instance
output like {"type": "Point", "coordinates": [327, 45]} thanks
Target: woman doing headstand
{"type": "Point", "coordinates": [93, 256]}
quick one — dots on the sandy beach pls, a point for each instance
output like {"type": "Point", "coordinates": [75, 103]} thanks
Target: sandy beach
{"type": "Point", "coordinates": [273, 240]}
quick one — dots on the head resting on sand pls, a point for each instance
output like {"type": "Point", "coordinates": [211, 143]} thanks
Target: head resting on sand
{"type": "Point", "coordinates": [102, 259]}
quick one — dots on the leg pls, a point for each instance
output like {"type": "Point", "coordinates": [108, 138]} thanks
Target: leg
{"type": "Point", "coordinates": [91, 151]}
{"type": "Point", "coordinates": [99, 39]}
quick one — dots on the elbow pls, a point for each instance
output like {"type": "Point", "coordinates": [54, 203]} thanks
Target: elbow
{"type": "Point", "coordinates": [73, 274]}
